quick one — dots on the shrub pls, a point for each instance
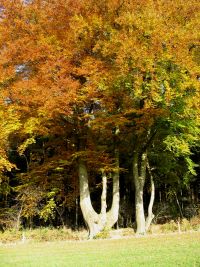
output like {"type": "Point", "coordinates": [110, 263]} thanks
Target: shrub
{"type": "Point", "coordinates": [105, 233]}
{"type": "Point", "coordinates": [185, 225]}
{"type": "Point", "coordinates": [195, 222]}
{"type": "Point", "coordinates": [172, 226]}
{"type": "Point", "coordinates": [10, 235]}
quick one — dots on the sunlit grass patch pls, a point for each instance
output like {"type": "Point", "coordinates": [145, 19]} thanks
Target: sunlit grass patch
{"type": "Point", "coordinates": [158, 251]}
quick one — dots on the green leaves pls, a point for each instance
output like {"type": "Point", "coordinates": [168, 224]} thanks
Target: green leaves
{"type": "Point", "coordinates": [48, 210]}
{"type": "Point", "coordinates": [191, 166]}
{"type": "Point", "coordinates": [177, 146]}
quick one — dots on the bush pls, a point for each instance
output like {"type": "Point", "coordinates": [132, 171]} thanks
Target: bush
{"type": "Point", "coordinates": [10, 235]}
{"type": "Point", "coordinates": [105, 233]}
{"type": "Point", "coordinates": [172, 226]}
{"type": "Point", "coordinates": [195, 223]}
{"type": "Point", "coordinates": [185, 225]}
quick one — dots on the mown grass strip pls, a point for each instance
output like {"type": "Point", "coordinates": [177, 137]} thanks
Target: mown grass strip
{"type": "Point", "coordinates": [157, 251]}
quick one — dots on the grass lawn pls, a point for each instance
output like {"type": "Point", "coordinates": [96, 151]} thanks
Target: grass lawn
{"type": "Point", "coordinates": [157, 251]}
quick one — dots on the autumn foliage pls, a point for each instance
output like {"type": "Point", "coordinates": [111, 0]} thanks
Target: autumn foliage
{"type": "Point", "coordinates": [84, 79]}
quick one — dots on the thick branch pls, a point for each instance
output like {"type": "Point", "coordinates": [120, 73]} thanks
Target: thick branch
{"type": "Point", "coordinates": [150, 207]}
{"type": "Point", "coordinates": [103, 198]}
{"type": "Point", "coordinates": [112, 215]}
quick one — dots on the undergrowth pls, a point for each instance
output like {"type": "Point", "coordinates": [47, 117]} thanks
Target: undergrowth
{"type": "Point", "coordinates": [40, 235]}
{"type": "Point", "coordinates": [64, 234]}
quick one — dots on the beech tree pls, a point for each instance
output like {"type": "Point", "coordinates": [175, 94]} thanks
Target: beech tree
{"type": "Point", "coordinates": [139, 61]}
{"type": "Point", "coordinates": [125, 70]}
{"type": "Point", "coordinates": [104, 220]}
{"type": "Point", "coordinates": [36, 80]}
{"type": "Point", "coordinates": [38, 63]}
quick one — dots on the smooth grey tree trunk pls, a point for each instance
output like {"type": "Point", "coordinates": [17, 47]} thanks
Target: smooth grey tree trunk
{"type": "Point", "coordinates": [90, 216]}
{"type": "Point", "coordinates": [18, 222]}
{"type": "Point", "coordinates": [151, 202]}
{"type": "Point", "coordinates": [94, 221]}
{"type": "Point", "coordinates": [139, 174]}
{"type": "Point", "coordinates": [103, 198]}
{"type": "Point", "coordinates": [112, 215]}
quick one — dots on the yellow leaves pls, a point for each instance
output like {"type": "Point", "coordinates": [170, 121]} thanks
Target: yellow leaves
{"type": "Point", "coordinates": [9, 124]}
{"type": "Point", "coordinates": [26, 144]}
{"type": "Point", "coordinates": [32, 125]}
{"type": "Point", "coordinates": [168, 92]}
{"type": "Point", "coordinates": [49, 41]}
{"type": "Point", "coordinates": [178, 146]}
{"type": "Point", "coordinates": [5, 164]}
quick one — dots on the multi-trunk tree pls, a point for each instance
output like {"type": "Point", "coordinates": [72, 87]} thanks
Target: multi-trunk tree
{"type": "Point", "coordinates": [140, 63]}
{"type": "Point", "coordinates": [125, 70]}
{"type": "Point", "coordinates": [39, 78]}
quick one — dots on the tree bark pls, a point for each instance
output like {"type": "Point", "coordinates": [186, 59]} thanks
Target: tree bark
{"type": "Point", "coordinates": [112, 215]}
{"type": "Point", "coordinates": [150, 207]}
{"type": "Point", "coordinates": [97, 222]}
{"type": "Point", "coordinates": [139, 174]}
{"type": "Point", "coordinates": [90, 216]}
{"type": "Point", "coordinates": [179, 206]}
{"type": "Point", "coordinates": [76, 215]}
{"type": "Point", "coordinates": [18, 222]}
{"type": "Point", "coordinates": [103, 198]}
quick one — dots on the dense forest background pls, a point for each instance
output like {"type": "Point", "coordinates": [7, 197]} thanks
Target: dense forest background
{"type": "Point", "coordinates": [44, 190]}
{"type": "Point", "coordinates": [99, 90]}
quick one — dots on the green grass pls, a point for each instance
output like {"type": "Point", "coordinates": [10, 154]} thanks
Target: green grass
{"type": "Point", "coordinates": [158, 251]}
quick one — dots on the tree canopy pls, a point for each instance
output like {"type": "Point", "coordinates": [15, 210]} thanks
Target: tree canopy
{"type": "Point", "coordinates": [108, 88]}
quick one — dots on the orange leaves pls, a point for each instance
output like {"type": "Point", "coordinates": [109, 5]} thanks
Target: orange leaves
{"type": "Point", "coordinates": [36, 41]}
{"type": "Point", "coordinates": [57, 57]}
